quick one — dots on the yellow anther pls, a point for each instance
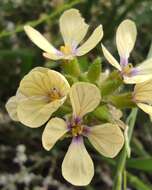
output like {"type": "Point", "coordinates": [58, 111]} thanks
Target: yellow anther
{"type": "Point", "coordinates": [77, 130]}
{"type": "Point", "coordinates": [65, 49]}
{"type": "Point", "coordinates": [127, 69]}
{"type": "Point", "coordinates": [54, 94]}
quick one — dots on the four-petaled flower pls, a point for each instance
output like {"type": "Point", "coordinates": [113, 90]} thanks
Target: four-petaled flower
{"type": "Point", "coordinates": [125, 40]}
{"type": "Point", "coordinates": [41, 92]}
{"type": "Point", "coordinates": [73, 29]}
{"type": "Point", "coordinates": [142, 96]}
{"type": "Point", "coordinates": [77, 166]}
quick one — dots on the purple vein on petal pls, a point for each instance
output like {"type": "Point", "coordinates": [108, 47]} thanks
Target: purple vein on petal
{"type": "Point", "coordinates": [59, 53]}
{"type": "Point", "coordinates": [134, 71]}
{"type": "Point", "coordinates": [77, 139]}
{"type": "Point", "coordinates": [123, 61]}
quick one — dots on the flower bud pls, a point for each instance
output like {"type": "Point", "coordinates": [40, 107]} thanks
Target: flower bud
{"type": "Point", "coordinates": [94, 70]}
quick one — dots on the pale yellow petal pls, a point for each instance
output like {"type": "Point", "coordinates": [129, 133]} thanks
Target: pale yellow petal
{"type": "Point", "coordinates": [53, 56]}
{"type": "Point", "coordinates": [92, 41]}
{"type": "Point", "coordinates": [143, 92]}
{"type": "Point", "coordinates": [110, 58]}
{"type": "Point", "coordinates": [33, 84]}
{"type": "Point", "coordinates": [115, 112]}
{"type": "Point", "coordinates": [40, 69]}
{"type": "Point", "coordinates": [53, 131]}
{"type": "Point", "coordinates": [39, 40]}
{"type": "Point", "coordinates": [145, 68]}
{"type": "Point", "coordinates": [107, 139]}
{"type": "Point", "coordinates": [146, 108]}
{"type": "Point", "coordinates": [39, 82]}
{"type": "Point", "coordinates": [77, 166]}
{"type": "Point", "coordinates": [144, 87]}
{"type": "Point", "coordinates": [58, 80]}
{"type": "Point", "coordinates": [34, 112]}
{"type": "Point", "coordinates": [73, 27]}
{"type": "Point", "coordinates": [11, 107]}
{"type": "Point", "coordinates": [126, 37]}
{"type": "Point", "coordinates": [137, 79]}
{"type": "Point", "coordinates": [37, 106]}
{"type": "Point", "coordinates": [84, 97]}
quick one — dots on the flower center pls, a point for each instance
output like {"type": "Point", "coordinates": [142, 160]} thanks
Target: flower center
{"type": "Point", "coordinates": [77, 130]}
{"type": "Point", "coordinates": [76, 127]}
{"type": "Point", "coordinates": [54, 94]}
{"type": "Point", "coordinates": [127, 70]}
{"type": "Point", "coordinates": [65, 49]}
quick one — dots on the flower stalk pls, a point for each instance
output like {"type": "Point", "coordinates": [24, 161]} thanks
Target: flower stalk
{"type": "Point", "coordinates": [118, 181]}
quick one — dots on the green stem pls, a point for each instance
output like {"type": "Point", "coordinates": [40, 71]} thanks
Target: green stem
{"type": "Point", "coordinates": [125, 179]}
{"type": "Point", "coordinates": [123, 156]}
{"type": "Point", "coordinates": [34, 23]}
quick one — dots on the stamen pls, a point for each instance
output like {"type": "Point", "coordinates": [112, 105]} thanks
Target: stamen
{"type": "Point", "coordinates": [127, 70]}
{"type": "Point", "coordinates": [54, 94]}
{"type": "Point", "coordinates": [66, 49]}
{"type": "Point", "coordinates": [75, 127]}
{"type": "Point", "coordinates": [77, 130]}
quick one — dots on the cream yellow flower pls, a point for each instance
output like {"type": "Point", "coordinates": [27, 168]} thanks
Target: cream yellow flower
{"type": "Point", "coordinates": [125, 41]}
{"type": "Point", "coordinates": [77, 166]}
{"type": "Point", "coordinates": [142, 96]}
{"type": "Point", "coordinates": [73, 29]}
{"type": "Point", "coordinates": [40, 93]}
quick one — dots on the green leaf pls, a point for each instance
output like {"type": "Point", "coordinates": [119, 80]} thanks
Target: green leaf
{"type": "Point", "coordinates": [144, 164]}
{"type": "Point", "coordinates": [137, 183]}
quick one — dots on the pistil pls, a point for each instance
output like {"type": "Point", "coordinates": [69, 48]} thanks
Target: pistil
{"type": "Point", "coordinates": [54, 94]}
{"type": "Point", "coordinates": [66, 50]}
{"type": "Point", "coordinates": [127, 70]}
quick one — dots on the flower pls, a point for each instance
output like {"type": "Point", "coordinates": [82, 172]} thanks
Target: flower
{"type": "Point", "coordinates": [125, 40]}
{"type": "Point", "coordinates": [142, 96]}
{"type": "Point", "coordinates": [77, 166]}
{"type": "Point", "coordinates": [73, 29]}
{"type": "Point", "coordinates": [41, 92]}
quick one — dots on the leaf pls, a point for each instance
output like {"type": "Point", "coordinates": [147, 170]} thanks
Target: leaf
{"type": "Point", "coordinates": [144, 164]}
{"type": "Point", "coordinates": [137, 183]}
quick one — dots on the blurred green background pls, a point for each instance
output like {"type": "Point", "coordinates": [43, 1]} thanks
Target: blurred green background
{"type": "Point", "coordinates": [24, 165]}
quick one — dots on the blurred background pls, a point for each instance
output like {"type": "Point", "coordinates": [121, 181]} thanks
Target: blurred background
{"type": "Point", "coordinates": [24, 164]}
